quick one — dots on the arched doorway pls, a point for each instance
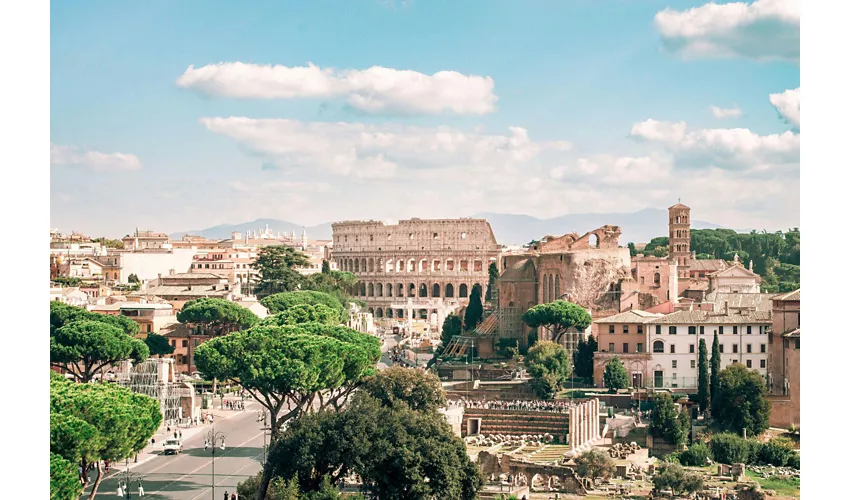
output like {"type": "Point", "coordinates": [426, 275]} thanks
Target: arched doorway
{"type": "Point", "coordinates": [450, 290]}
{"type": "Point", "coordinates": [435, 290]}
{"type": "Point", "coordinates": [463, 291]}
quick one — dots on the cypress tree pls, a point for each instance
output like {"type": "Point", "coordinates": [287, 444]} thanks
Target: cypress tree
{"type": "Point", "coordinates": [715, 368]}
{"type": "Point", "coordinates": [474, 311]}
{"type": "Point", "coordinates": [703, 394]}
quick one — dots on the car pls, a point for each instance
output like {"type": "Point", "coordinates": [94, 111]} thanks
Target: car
{"type": "Point", "coordinates": [172, 446]}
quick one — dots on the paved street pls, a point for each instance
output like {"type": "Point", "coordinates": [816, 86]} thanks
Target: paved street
{"type": "Point", "coordinates": [390, 341]}
{"type": "Point", "coordinates": [188, 476]}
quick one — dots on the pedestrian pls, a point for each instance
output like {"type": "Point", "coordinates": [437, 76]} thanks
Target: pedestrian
{"type": "Point", "coordinates": [233, 496]}
{"type": "Point", "coordinates": [141, 490]}
{"type": "Point", "coordinates": [181, 434]}
{"type": "Point", "coordinates": [226, 496]}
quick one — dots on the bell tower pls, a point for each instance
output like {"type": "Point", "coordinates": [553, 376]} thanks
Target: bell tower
{"type": "Point", "coordinates": [680, 237]}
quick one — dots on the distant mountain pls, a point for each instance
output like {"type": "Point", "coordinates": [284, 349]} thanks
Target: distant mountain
{"type": "Point", "coordinates": [510, 229]}
{"type": "Point", "coordinates": [224, 231]}
{"type": "Point", "coordinates": [637, 227]}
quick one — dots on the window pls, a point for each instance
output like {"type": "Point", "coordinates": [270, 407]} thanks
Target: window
{"type": "Point", "coordinates": [749, 329]}
{"type": "Point", "coordinates": [797, 344]}
{"type": "Point", "coordinates": [611, 347]}
{"type": "Point", "coordinates": [611, 329]}
{"type": "Point", "coordinates": [625, 328]}
{"type": "Point", "coordinates": [672, 349]}
{"type": "Point", "coordinates": [173, 343]}
{"type": "Point", "coordinates": [640, 347]}
{"type": "Point", "coordinates": [640, 329]}
{"type": "Point", "coordinates": [702, 330]}
{"type": "Point", "coordinates": [720, 330]}
{"type": "Point", "coordinates": [672, 330]}
{"type": "Point", "coordinates": [762, 363]}
{"type": "Point", "coordinates": [692, 330]}
{"type": "Point", "coordinates": [749, 348]}
{"type": "Point", "coordinates": [625, 347]}
{"type": "Point", "coordinates": [721, 348]}
{"type": "Point", "coordinates": [693, 364]}
{"type": "Point", "coordinates": [658, 346]}
{"type": "Point", "coordinates": [734, 348]}
{"type": "Point", "coordinates": [185, 343]}
{"type": "Point", "coordinates": [691, 348]}
{"type": "Point", "coordinates": [763, 348]}
{"type": "Point", "coordinates": [674, 373]}
{"type": "Point", "coordinates": [749, 363]}
{"type": "Point", "coordinates": [674, 362]}
{"type": "Point", "coordinates": [658, 329]}
{"type": "Point", "coordinates": [734, 361]}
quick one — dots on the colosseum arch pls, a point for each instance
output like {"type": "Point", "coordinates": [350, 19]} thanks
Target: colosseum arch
{"type": "Point", "coordinates": [363, 265]}
{"type": "Point", "coordinates": [371, 290]}
{"type": "Point", "coordinates": [379, 313]}
{"type": "Point", "coordinates": [411, 265]}
{"type": "Point", "coordinates": [400, 290]}
{"type": "Point", "coordinates": [356, 266]}
{"type": "Point", "coordinates": [389, 289]}
{"type": "Point", "coordinates": [372, 311]}
{"type": "Point", "coordinates": [450, 290]}
{"type": "Point", "coordinates": [389, 312]}
{"type": "Point", "coordinates": [362, 289]}
{"type": "Point", "coordinates": [423, 314]}
{"type": "Point", "coordinates": [379, 289]}
{"type": "Point", "coordinates": [399, 266]}
{"type": "Point", "coordinates": [371, 265]}
{"type": "Point", "coordinates": [436, 267]}
{"type": "Point", "coordinates": [379, 265]}
{"type": "Point", "coordinates": [450, 264]}
{"type": "Point", "coordinates": [423, 265]}
{"type": "Point", "coordinates": [463, 291]}
{"type": "Point", "coordinates": [435, 290]}
{"type": "Point", "coordinates": [464, 265]}
{"type": "Point", "coordinates": [411, 290]}
{"type": "Point", "coordinates": [423, 290]}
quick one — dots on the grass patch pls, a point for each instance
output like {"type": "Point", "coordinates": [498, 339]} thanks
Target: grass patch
{"type": "Point", "coordinates": [782, 486]}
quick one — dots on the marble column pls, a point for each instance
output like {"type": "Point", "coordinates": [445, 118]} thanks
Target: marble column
{"type": "Point", "coordinates": [587, 422]}
{"type": "Point", "coordinates": [583, 411]}
{"type": "Point", "coordinates": [573, 427]}
{"type": "Point", "coordinates": [595, 415]}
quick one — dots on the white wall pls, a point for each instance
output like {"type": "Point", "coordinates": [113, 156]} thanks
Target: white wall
{"type": "Point", "coordinates": [148, 265]}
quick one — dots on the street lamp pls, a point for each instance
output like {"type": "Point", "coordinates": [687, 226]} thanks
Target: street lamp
{"type": "Point", "coordinates": [262, 417]}
{"type": "Point", "coordinates": [124, 486]}
{"type": "Point", "coordinates": [210, 440]}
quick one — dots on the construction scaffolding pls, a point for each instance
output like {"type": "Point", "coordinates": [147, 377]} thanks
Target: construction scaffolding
{"type": "Point", "coordinates": [154, 377]}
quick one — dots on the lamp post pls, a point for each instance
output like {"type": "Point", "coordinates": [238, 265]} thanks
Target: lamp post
{"type": "Point", "coordinates": [262, 418]}
{"type": "Point", "coordinates": [124, 488]}
{"type": "Point", "coordinates": [210, 440]}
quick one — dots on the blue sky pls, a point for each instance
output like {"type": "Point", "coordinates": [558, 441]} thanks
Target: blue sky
{"type": "Point", "coordinates": [134, 144]}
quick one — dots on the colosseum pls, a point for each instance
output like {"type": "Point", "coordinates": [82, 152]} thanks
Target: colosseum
{"type": "Point", "coordinates": [418, 268]}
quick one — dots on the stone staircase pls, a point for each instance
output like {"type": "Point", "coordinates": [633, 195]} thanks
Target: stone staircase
{"type": "Point", "coordinates": [518, 422]}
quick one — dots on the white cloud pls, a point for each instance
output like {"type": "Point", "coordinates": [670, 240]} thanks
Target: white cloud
{"type": "Point", "coordinates": [93, 160]}
{"type": "Point", "coordinates": [280, 187]}
{"type": "Point", "coordinates": [726, 112]}
{"type": "Point", "coordinates": [613, 171]}
{"type": "Point", "coordinates": [374, 90]}
{"type": "Point", "coordinates": [788, 105]}
{"type": "Point", "coordinates": [737, 149]}
{"type": "Point", "coordinates": [762, 30]}
{"type": "Point", "coordinates": [379, 151]}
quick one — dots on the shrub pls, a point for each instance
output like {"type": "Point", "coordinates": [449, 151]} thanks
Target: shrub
{"type": "Point", "coordinates": [794, 461]}
{"type": "Point", "coordinates": [778, 451]}
{"type": "Point", "coordinates": [695, 456]}
{"type": "Point", "coordinates": [730, 448]}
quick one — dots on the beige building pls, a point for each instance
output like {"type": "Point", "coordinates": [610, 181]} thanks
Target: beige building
{"type": "Point", "coordinates": [180, 288]}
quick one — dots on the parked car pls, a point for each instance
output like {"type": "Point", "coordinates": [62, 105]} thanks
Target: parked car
{"type": "Point", "coordinates": [172, 446]}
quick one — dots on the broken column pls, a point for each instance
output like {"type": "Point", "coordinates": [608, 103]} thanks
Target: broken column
{"type": "Point", "coordinates": [572, 427]}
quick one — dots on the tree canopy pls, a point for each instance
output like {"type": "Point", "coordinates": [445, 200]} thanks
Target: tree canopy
{"type": "Point", "coordinates": [417, 390]}
{"type": "Point", "coordinates": [304, 313]}
{"type": "Point", "coordinates": [474, 310]}
{"type": "Point", "coordinates": [548, 364]}
{"type": "Point", "coordinates": [216, 316]}
{"type": "Point", "coordinates": [492, 277]}
{"type": "Point", "coordinates": [158, 345]}
{"type": "Point", "coordinates": [94, 422]}
{"type": "Point", "coordinates": [740, 402]}
{"type": "Point", "coordinates": [676, 479]}
{"type": "Point", "coordinates": [558, 317]}
{"type": "Point", "coordinates": [594, 464]}
{"type": "Point", "coordinates": [615, 376]}
{"type": "Point", "coordinates": [714, 378]}
{"type": "Point", "coordinates": [62, 314]}
{"type": "Point", "coordinates": [276, 268]}
{"type": "Point", "coordinates": [665, 421]}
{"type": "Point", "coordinates": [84, 347]}
{"type": "Point", "coordinates": [703, 394]}
{"type": "Point", "coordinates": [281, 302]}
{"type": "Point", "coordinates": [64, 480]}
{"type": "Point", "coordinates": [583, 357]}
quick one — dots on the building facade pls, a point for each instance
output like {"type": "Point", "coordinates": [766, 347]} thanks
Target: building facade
{"type": "Point", "coordinates": [626, 337]}
{"type": "Point", "coordinates": [783, 380]}
{"type": "Point", "coordinates": [416, 266]}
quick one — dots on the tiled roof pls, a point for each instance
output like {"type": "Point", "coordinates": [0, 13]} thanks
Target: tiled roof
{"type": "Point", "coordinates": [757, 301]}
{"type": "Point", "coordinates": [708, 265]}
{"type": "Point", "coordinates": [795, 333]}
{"type": "Point", "coordinates": [522, 270]}
{"type": "Point", "coordinates": [713, 318]}
{"type": "Point", "coordinates": [679, 205]}
{"type": "Point", "coordinates": [175, 330]}
{"type": "Point", "coordinates": [630, 317]}
{"type": "Point", "coordinates": [184, 276]}
{"type": "Point", "coordinates": [789, 296]}
{"type": "Point", "coordinates": [182, 291]}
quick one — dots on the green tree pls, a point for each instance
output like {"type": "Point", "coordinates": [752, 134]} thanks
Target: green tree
{"type": "Point", "coordinates": [64, 481]}
{"type": "Point", "coordinates": [696, 455]}
{"type": "Point", "coordinates": [740, 402]}
{"type": "Point", "coordinates": [216, 317]}
{"type": "Point", "coordinates": [280, 302]}
{"type": "Point", "coordinates": [287, 368]}
{"type": "Point", "coordinates": [83, 348]}
{"type": "Point", "coordinates": [304, 313]}
{"type": "Point", "coordinates": [336, 284]}
{"type": "Point", "coordinates": [493, 276]}
{"type": "Point", "coordinates": [275, 265]}
{"type": "Point", "coordinates": [474, 310]}
{"type": "Point", "coordinates": [62, 314]}
{"type": "Point", "coordinates": [109, 243]}
{"type": "Point", "coordinates": [714, 381]}
{"type": "Point", "coordinates": [67, 282]}
{"type": "Point", "coordinates": [731, 448]}
{"type": "Point", "coordinates": [632, 249]}
{"type": "Point", "coordinates": [326, 267]}
{"type": "Point", "coordinates": [665, 421]}
{"type": "Point", "coordinates": [583, 357]}
{"type": "Point", "coordinates": [673, 477]}
{"type": "Point", "coordinates": [132, 278]}
{"type": "Point", "coordinates": [123, 421]}
{"type": "Point", "coordinates": [419, 391]}
{"type": "Point", "coordinates": [779, 452]}
{"type": "Point", "coordinates": [703, 395]}
{"type": "Point", "coordinates": [594, 464]}
{"type": "Point", "coordinates": [548, 364]}
{"type": "Point", "coordinates": [558, 317]}
{"type": "Point", "coordinates": [158, 345]}
{"type": "Point", "coordinates": [452, 326]}
{"type": "Point", "coordinates": [615, 376]}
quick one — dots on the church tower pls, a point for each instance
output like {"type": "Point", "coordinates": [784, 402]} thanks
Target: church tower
{"type": "Point", "coordinates": [680, 237]}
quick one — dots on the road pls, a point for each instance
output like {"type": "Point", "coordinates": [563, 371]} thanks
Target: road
{"type": "Point", "coordinates": [188, 476]}
{"type": "Point", "coordinates": [390, 341]}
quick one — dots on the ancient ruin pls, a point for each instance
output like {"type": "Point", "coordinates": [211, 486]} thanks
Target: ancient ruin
{"type": "Point", "coordinates": [538, 477]}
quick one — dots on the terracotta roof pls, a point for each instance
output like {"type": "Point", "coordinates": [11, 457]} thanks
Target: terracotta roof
{"type": "Point", "coordinates": [793, 334]}
{"type": "Point", "coordinates": [679, 205]}
{"type": "Point", "coordinates": [709, 265]}
{"type": "Point", "coordinates": [757, 301]}
{"type": "Point", "coordinates": [198, 276]}
{"type": "Point", "coordinates": [182, 291]}
{"type": "Point", "coordinates": [789, 296]}
{"type": "Point", "coordinates": [632, 316]}
{"type": "Point", "coordinates": [714, 318]}
{"type": "Point", "coordinates": [175, 330]}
